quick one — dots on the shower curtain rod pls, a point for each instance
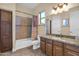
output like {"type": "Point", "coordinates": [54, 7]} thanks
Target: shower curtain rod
{"type": "Point", "coordinates": [25, 13]}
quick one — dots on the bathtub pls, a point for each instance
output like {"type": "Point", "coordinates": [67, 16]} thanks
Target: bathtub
{"type": "Point", "coordinates": [22, 43]}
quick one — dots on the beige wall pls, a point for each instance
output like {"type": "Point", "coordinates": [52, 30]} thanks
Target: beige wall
{"type": "Point", "coordinates": [74, 21]}
{"type": "Point", "coordinates": [23, 15]}
{"type": "Point", "coordinates": [10, 7]}
{"type": "Point", "coordinates": [41, 30]}
{"type": "Point", "coordinates": [43, 7]}
{"type": "Point", "coordinates": [23, 12]}
{"type": "Point", "coordinates": [24, 9]}
{"type": "Point", "coordinates": [47, 7]}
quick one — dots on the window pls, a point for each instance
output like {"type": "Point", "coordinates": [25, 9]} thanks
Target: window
{"type": "Point", "coordinates": [65, 22]}
{"type": "Point", "coordinates": [42, 17]}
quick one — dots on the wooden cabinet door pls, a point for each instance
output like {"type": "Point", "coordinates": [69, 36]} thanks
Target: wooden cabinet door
{"type": "Point", "coordinates": [49, 50]}
{"type": "Point", "coordinates": [6, 31]}
{"type": "Point", "coordinates": [6, 36]}
{"type": "Point", "coordinates": [57, 50]}
{"type": "Point", "coordinates": [71, 50]}
{"type": "Point", "coordinates": [6, 15]}
{"type": "Point", "coordinates": [43, 47]}
{"type": "Point", "coordinates": [70, 53]}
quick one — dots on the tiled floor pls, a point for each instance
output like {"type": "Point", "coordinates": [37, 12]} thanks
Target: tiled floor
{"type": "Point", "coordinates": [24, 52]}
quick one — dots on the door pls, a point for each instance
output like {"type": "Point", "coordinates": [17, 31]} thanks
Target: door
{"type": "Point", "coordinates": [6, 31]}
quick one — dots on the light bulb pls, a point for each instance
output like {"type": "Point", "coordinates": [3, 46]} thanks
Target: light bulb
{"type": "Point", "coordinates": [59, 10]}
{"type": "Point", "coordinates": [53, 11]}
{"type": "Point", "coordinates": [65, 7]}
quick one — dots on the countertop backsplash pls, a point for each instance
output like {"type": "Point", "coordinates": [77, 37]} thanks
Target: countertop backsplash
{"type": "Point", "coordinates": [65, 36]}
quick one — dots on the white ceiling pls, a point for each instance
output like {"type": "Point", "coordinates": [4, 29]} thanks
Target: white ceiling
{"type": "Point", "coordinates": [28, 5]}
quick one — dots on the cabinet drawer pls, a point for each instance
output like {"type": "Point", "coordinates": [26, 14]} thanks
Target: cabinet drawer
{"type": "Point", "coordinates": [43, 39]}
{"type": "Point", "coordinates": [58, 43]}
{"type": "Point", "coordinates": [70, 53]}
{"type": "Point", "coordinates": [72, 47]}
{"type": "Point", "coordinates": [49, 41]}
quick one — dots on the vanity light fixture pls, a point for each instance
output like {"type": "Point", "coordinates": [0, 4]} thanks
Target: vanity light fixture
{"type": "Point", "coordinates": [55, 8]}
{"type": "Point", "coordinates": [59, 8]}
{"type": "Point", "coordinates": [60, 5]}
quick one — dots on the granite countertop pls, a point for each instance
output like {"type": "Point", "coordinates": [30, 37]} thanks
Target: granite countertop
{"type": "Point", "coordinates": [62, 39]}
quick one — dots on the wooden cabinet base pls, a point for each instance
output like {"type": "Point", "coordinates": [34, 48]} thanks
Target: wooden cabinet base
{"type": "Point", "coordinates": [56, 48]}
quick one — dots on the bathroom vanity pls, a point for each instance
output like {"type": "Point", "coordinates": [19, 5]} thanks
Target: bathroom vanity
{"type": "Point", "coordinates": [56, 46]}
